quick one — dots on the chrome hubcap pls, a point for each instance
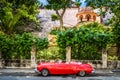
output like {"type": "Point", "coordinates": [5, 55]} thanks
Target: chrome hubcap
{"type": "Point", "coordinates": [82, 73]}
{"type": "Point", "coordinates": [44, 72]}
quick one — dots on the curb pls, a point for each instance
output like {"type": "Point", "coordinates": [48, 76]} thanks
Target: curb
{"type": "Point", "coordinates": [116, 70]}
{"type": "Point", "coordinates": [16, 70]}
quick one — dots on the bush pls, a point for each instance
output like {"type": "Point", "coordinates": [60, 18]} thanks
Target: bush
{"type": "Point", "coordinates": [86, 41]}
{"type": "Point", "coordinates": [55, 31]}
{"type": "Point", "coordinates": [54, 17]}
{"type": "Point", "coordinates": [112, 57]}
{"type": "Point", "coordinates": [18, 46]}
{"type": "Point", "coordinates": [52, 52]}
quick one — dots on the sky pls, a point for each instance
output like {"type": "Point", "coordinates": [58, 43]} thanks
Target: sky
{"type": "Point", "coordinates": [43, 1]}
{"type": "Point", "coordinates": [82, 1]}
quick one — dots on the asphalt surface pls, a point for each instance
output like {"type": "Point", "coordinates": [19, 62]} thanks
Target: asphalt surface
{"type": "Point", "coordinates": [57, 78]}
{"type": "Point", "coordinates": [29, 74]}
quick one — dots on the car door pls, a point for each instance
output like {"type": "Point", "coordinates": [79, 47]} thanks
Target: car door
{"type": "Point", "coordinates": [62, 68]}
{"type": "Point", "coordinates": [68, 68]}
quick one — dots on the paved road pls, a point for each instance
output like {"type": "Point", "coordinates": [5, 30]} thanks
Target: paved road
{"type": "Point", "coordinates": [28, 74]}
{"type": "Point", "coordinates": [56, 78]}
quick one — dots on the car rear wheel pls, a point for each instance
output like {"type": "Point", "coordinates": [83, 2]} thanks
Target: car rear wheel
{"type": "Point", "coordinates": [81, 73]}
{"type": "Point", "coordinates": [44, 72]}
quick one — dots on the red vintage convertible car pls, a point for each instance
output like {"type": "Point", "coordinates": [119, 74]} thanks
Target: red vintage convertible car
{"type": "Point", "coordinates": [80, 69]}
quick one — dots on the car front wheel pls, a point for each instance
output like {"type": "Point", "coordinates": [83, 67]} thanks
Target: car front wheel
{"type": "Point", "coordinates": [44, 72]}
{"type": "Point", "coordinates": [81, 73]}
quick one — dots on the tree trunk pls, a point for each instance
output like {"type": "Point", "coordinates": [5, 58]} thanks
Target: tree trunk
{"type": "Point", "coordinates": [104, 58]}
{"type": "Point", "coordinates": [61, 23]}
{"type": "Point", "coordinates": [68, 54]}
{"type": "Point", "coordinates": [33, 57]}
{"type": "Point", "coordinates": [1, 60]}
{"type": "Point", "coordinates": [60, 15]}
{"type": "Point", "coordinates": [118, 51]}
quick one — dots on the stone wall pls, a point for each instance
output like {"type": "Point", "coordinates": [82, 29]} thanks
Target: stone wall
{"type": "Point", "coordinates": [69, 18]}
{"type": "Point", "coordinates": [27, 63]}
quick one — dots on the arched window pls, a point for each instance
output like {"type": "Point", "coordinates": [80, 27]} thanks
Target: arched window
{"type": "Point", "coordinates": [88, 17]}
{"type": "Point", "coordinates": [94, 18]}
{"type": "Point", "coordinates": [81, 18]}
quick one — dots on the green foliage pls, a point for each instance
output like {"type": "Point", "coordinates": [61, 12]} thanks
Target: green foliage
{"type": "Point", "coordinates": [50, 53]}
{"type": "Point", "coordinates": [57, 4]}
{"type": "Point", "coordinates": [55, 31]}
{"type": "Point", "coordinates": [54, 17]}
{"type": "Point", "coordinates": [112, 58]}
{"type": "Point", "coordinates": [64, 38]}
{"type": "Point", "coordinates": [96, 3]}
{"type": "Point", "coordinates": [77, 3]}
{"type": "Point", "coordinates": [114, 7]}
{"type": "Point", "coordinates": [19, 46]}
{"type": "Point", "coordinates": [87, 40]}
{"type": "Point", "coordinates": [13, 13]}
{"type": "Point", "coordinates": [41, 43]}
{"type": "Point", "coordinates": [85, 52]}
{"type": "Point", "coordinates": [116, 31]}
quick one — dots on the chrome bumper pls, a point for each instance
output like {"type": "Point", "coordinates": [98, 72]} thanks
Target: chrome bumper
{"type": "Point", "coordinates": [93, 71]}
{"type": "Point", "coordinates": [36, 71]}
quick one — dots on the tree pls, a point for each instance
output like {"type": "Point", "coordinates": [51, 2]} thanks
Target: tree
{"type": "Point", "coordinates": [21, 47]}
{"type": "Point", "coordinates": [77, 3]}
{"type": "Point", "coordinates": [60, 7]}
{"type": "Point", "coordinates": [16, 13]}
{"type": "Point", "coordinates": [115, 22]}
{"type": "Point", "coordinates": [54, 17]}
{"type": "Point", "coordinates": [114, 7]}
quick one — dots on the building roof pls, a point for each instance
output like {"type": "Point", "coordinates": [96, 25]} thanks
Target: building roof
{"type": "Point", "coordinates": [86, 10]}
